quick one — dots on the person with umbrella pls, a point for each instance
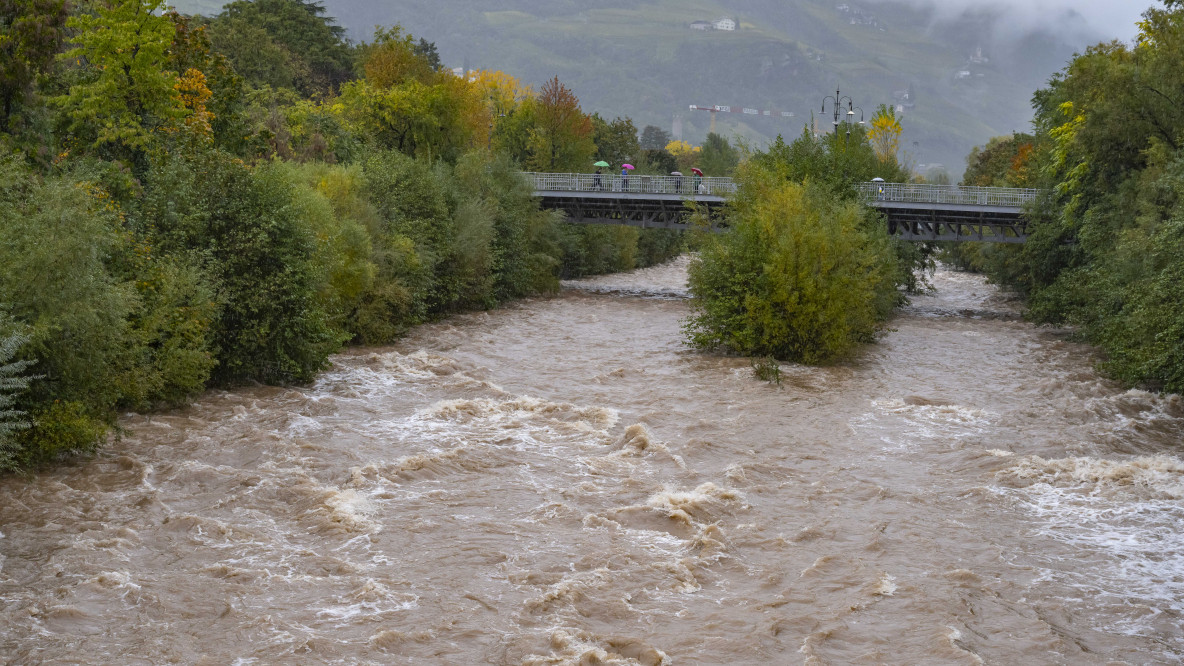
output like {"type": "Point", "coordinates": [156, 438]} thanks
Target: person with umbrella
{"type": "Point", "coordinates": [625, 169]}
{"type": "Point", "coordinates": [677, 180]}
{"type": "Point", "coordinates": [699, 189]}
{"type": "Point", "coordinates": [596, 184]}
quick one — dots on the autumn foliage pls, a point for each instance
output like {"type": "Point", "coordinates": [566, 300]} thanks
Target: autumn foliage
{"type": "Point", "coordinates": [194, 202]}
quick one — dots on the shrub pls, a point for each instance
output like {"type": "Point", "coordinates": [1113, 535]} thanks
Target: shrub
{"type": "Point", "coordinates": [253, 241]}
{"type": "Point", "coordinates": [766, 368]}
{"type": "Point", "coordinates": [413, 241]}
{"type": "Point", "coordinates": [798, 276]}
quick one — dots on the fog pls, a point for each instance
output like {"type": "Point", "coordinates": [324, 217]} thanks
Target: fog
{"type": "Point", "coordinates": [1073, 19]}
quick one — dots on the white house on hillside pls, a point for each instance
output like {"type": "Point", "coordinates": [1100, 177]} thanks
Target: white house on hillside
{"type": "Point", "coordinates": [701, 25]}
{"type": "Point", "coordinates": [725, 24]}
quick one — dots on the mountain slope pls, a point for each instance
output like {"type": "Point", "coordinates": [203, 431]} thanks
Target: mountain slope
{"type": "Point", "coordinates": [640, 59]}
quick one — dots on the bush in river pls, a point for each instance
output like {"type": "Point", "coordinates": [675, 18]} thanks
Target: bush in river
{"type": "Point", "coordinates": [800, 275]}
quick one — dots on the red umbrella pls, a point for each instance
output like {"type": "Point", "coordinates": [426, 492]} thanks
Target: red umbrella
{"type": "Point", "coordinates": [697, 171]}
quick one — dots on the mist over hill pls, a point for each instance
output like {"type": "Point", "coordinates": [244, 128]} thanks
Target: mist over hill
{"type": "Point", "coordinates": [970, 73]}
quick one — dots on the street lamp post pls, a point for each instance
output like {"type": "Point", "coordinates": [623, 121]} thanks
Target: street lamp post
{"type": "Point", "coordinates": [837, 105]}
{"type": "Point", "coordinates": [837, 101]}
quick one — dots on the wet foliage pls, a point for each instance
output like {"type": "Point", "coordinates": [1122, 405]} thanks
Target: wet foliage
{"type": "Point", "coordinates": [804, 272]}
{"type": "Point", "coordinates": [194, 202]}
{"type": "Point", "coordinates": [1105, 252]}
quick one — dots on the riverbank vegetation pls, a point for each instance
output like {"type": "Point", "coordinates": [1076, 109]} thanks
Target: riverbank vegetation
{"type": "Point", "coordinates": [1106, 253]}
{"type": "Point", "coordinates": [804, 272]}
{"type": "Point", "coordinates": [191, 202]}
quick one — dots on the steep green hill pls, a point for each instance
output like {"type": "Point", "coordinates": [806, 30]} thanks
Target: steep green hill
{"type": "Point", "coordinates": [641, 59]}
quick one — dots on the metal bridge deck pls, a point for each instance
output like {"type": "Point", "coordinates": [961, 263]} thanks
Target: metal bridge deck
{"type": "Point", "coordinates": [914, 212]}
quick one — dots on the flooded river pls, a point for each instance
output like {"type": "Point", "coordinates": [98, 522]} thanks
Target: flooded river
{"type": "Point", "coordinates": [563, 482]}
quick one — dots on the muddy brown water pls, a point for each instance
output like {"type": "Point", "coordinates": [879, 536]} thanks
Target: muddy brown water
{"type": "Point", "coordinates": [562, 481]}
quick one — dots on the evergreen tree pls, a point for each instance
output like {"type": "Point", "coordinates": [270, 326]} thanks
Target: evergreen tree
{"type": "Point", "coordinates": [13, 382]}
{"type": "Point", "coordinates": [654, 138]}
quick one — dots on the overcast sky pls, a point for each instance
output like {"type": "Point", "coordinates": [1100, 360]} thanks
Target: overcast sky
{"type": "Point", "coordinates": [1112, 19]}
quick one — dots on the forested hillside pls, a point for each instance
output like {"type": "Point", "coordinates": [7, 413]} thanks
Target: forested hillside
{"type": "Point", "coordinates": [192, 202]}
{"type": "Point", "coordinates": [971, 79]}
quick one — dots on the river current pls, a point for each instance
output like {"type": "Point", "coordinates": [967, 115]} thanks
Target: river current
{"type": "Point", "coordinates": [562, 481]}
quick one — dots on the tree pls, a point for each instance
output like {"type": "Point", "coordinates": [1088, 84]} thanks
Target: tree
{"type": "Point", "coordinates": [30, 33]}
{"type": "Point", "coordinates": [799, 275]}
{"type": "Point", "coordinates": [685, 155]}
{"type": "Point", "coordinates": [293, 34]}
{"type": "Point", "coordinates": [654, 138]}
{"type": "Point", "coordinates": [718, 157]}
{"type": "Point", "coordinates": [126, 90]}
{"type": "Point", "coordinates": [561, 139]}
{"type": "Point", "coordinates": [616, 141]}
{"type": "Point", "coordinates": [1006, 161]}
{"type": "Point", "coordinates": [885, 133]}
{"type": "Point", "coordinates": [13, 382]}
{"type": "Point", "coordinates": [427, 50]}
{"type": "Point", "coordinates": [254, 243]}
{"type": "Point", "coordinates": [502, 96]}
{"type": "Point", "coordinates": [394, 58]}
{"type": "Point", "coordinates": [209, 87]}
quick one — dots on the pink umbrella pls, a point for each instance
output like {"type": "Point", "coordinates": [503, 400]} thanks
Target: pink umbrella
{"type": "Point", "coordinates": [627, 166]}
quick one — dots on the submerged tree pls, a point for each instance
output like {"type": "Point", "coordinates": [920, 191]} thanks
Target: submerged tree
{"type": "Point", "coordinates": [799, 275]}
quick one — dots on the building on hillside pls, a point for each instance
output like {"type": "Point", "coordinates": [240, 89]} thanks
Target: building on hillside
{"type": "Point", "coordinates": [978, 58]}
{"type": "Point", "coordinates": [903, 100]}
{"type": "Point", "coordinates": [701, 25]}
{"type": "Point", "coordinates": [725, 23]}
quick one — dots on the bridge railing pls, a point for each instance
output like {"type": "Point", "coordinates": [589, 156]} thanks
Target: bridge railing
{"type": "Point", "coordinates": [947, 194]}
{"type": "Point", "coordinates": [633, 183]}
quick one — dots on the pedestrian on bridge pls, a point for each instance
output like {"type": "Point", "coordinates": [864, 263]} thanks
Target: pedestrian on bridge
{"type": "Point", "coordinates": [596, 184]}
{"type": "Point", "coordinates": [625, 177]}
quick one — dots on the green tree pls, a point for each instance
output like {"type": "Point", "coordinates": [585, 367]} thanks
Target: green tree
{"type": "Point", "coordinates": [654, 138]}
{"type": "Point", "coordinates": [252, 239]}
{"type": "Point", "coordinates": [616, 141]}
{"type": "Point", "coordinates": [799, 275]}
{"type": "Point", "coordinates": [126, 91]}
{"type": "Point", "coordinates": [76, 313]}
{"type": "Point", "coordinates": [192, 51]}
{"type": "Point", "coordinates": [31, 32]}
{"type": "Point", "coordinates": [394, 58]}
{"type": "Point", "coordinates": [307, 49]}
{"type": "Point", "coordinates": [1006, 161]}
{"type": "Point", "coordinates": [718, 157]}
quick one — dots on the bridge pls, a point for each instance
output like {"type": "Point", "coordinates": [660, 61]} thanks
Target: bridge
{"type": "Point", "coordinates": [651, 202]}
{"type": "Point", "coordinates": [951, 212]}
{"type": "Point", "coordinates": [914, 212]}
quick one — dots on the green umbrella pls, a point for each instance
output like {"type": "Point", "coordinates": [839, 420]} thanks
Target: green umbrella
{"type": "Point", "coordinates": [601, 163]}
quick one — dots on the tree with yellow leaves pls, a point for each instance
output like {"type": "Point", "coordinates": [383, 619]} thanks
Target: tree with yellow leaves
{"type": "Point", "coordinates": [685, 155]}
{"type": "Point", "coordinates": [885, 133]}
